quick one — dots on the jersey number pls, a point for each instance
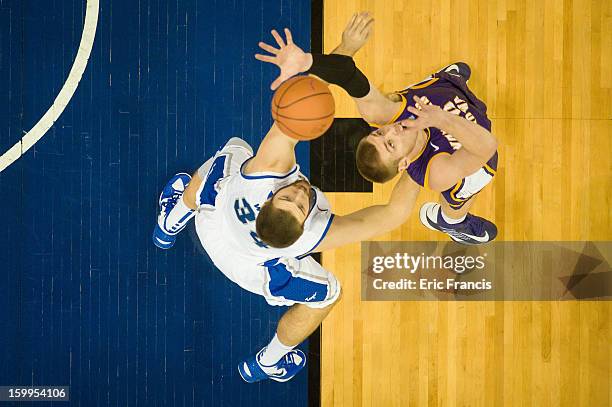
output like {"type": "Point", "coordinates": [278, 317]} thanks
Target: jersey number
{"type": "Point", "coordinates": [246, 214]}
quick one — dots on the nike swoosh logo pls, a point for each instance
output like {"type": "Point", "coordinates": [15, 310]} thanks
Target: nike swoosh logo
{"type": "Point", "coordinates": [434, 146]}
{"type": "Point", "coordinates": [481, 239]}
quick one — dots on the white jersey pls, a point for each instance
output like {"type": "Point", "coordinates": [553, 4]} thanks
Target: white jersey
{"type": "Point", "coordinates": [234, 199]}
{"type": "Point", "coordinates": [240, 199]}
{"type": "Point", "coordinates": [228, 202]}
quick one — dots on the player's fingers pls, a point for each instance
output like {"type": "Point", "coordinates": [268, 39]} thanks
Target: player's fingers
{"type": "Point", "coordinates": [414, 110]}
{"type": "Point", "coordinates": [410, 124]}
{"type": "Point", "coordinates": [265, 58]}
{"type": "Point", "coordinates": [278, 38]}
{"type": "Point", "coordinates": [365, 15]}
{"type": "Point", "coordinates": [363, 21]}
{"type": "Point", "coordinates": [368, 27]}
{"type": "Point", "coordinates": [288, 36]}
{"type": "Point", "coordinates": [268, 48]}
{"type": "Point", "coordinates": [420, 101]}
{"type": "Point", "coordinates": [277, 82]}
{"type": "Point", "coordinates": [351, 22]}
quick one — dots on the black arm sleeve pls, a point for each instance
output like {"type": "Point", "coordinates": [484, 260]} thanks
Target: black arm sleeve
{"type": "Point", "coordinates": [342, 71]}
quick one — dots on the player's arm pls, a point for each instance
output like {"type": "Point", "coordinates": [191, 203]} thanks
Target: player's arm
{"type": "Point", "coordinates": [375, 220]}
{"type": "Point", "coordinates": [335, 68]}
{"type": "Point", "coordinates": [478, 145]}
{"type": "Point", "coordinates": [374, 107]}
{"type": "Point", "coordinates": [276, 153]}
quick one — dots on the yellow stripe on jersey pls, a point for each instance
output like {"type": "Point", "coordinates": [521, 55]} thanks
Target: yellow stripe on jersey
{"type": "Point", "coordinates": [426, 178]}
{"type": "Point", "coordinates": [425, 84]}
{"type": "Point", "coordinates": [404, 101]}
{"type": "Point", "coordinates": [424, 145]}
{"type": "Point", "coordinates": [395, 116]}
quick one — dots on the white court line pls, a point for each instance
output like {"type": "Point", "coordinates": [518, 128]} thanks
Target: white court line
{"type": "Point", "coordinates": [65, 94]}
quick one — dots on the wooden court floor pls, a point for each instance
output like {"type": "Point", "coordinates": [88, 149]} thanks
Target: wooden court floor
{"type": "Point", "coordinates": [544, 68]}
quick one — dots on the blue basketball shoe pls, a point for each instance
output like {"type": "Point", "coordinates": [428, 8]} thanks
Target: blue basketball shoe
{"type": "Point", "coordinates": [288, 366]}
{"type": "Point", "coordinates": [473, 230]}
{"type": "Point", "coordinates": [164, 235]}
{"type": "Point", "coordinates": [458, 68]}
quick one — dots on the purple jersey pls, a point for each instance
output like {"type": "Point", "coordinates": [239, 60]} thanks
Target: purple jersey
{"type": "Point", "coordinates": [451, 93]}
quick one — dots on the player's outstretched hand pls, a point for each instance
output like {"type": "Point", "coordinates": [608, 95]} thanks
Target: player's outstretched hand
{"type": "Point", "coordinates": [427, 115]}
{"type": "Point", "coordinates": [288, 57]}
{"type": "Point", "coordinates": [356, 33]}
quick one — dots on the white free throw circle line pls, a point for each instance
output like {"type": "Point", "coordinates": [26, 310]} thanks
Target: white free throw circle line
{"type": "Point", "coordinates": [65, 94]}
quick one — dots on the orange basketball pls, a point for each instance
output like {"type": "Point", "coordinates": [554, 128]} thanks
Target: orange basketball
{"type": "Point", "coordinates": [303, 107]}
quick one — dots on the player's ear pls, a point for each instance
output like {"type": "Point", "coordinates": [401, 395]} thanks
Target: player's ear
{"type": "Point", "coordinates": [403, 164]}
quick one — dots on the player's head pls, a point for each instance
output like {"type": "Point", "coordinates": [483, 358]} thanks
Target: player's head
{"type": "Point", "coordinates": [385, 152]}
{"type": "Point", "coordinates": [280, 221]}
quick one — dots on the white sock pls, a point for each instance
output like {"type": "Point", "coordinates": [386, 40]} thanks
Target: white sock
{"type": "Point", "coordinates": [273, 352]}
{"type": "Point", "coordinates": [451, 221]}
{"type": "Point", "coordinates": [178, 217]}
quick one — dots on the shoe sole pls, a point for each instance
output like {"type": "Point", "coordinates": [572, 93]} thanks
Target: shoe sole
{"type": "Point", "coordinates": [243, 378]}
{"type": "Point", "coordinates": [425, 221]}
{"type": "Point", "coordinates": [162, 244]}
{"type": "Point", "coordinates": [175, 175]}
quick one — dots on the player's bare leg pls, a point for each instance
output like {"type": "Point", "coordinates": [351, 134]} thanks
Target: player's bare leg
{"type": "Point", "coordinates": [459, 224]}
{"type": "Point", "coordinates": [299, 322]}
{"type": "Point", "coordinates": [189, 196]}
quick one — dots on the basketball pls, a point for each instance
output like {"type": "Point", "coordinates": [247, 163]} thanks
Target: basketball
{"type": "Point", "coordinates": [303, 107]}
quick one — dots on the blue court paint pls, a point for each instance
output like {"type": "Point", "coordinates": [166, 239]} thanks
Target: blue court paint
{"type": "Point", "coordinates": [85, 298]}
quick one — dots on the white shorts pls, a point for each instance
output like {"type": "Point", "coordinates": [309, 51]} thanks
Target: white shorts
{"type": "Point", "coordinates": [281, 281]}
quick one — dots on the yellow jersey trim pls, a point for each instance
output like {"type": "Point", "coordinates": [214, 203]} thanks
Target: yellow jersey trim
{"type": "Point", "coordinates": [491, 170]}
{"type": "Point", "coordinates": [424, 85]}
{"type": "Point", "coordinates": [395, 116]}
{"type": "Point", "coordinates": [405, 101]}
{"type": "Point", "coordinates": [424, 145]}
{"type": "Point", "coordinates": [426, 179]}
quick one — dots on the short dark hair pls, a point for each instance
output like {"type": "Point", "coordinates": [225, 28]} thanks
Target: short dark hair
{"type": "Point", "coordinates": [370, 165]}
{"type": "Point", "coordinates": [276, 227]}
